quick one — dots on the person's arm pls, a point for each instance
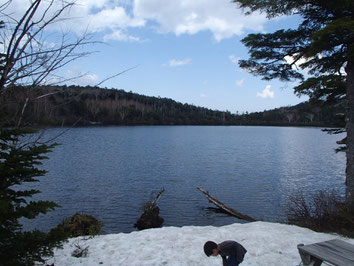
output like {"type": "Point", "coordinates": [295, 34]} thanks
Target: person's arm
{"type": "Point", "coordinates": [239, 252]}
{"type": "Point", "coordinates": [223, 260]}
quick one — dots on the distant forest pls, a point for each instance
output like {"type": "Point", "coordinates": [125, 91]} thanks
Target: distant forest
{"type": "Point", "coordinates": [69, 105]}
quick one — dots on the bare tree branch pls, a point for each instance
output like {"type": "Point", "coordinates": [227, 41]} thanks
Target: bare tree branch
{"type": "Point", "coordinates": [120, 73]}
{"type": "Point", "coordinates": [22, 113]}
{"type": "Point", "coordinates": [28, 61]}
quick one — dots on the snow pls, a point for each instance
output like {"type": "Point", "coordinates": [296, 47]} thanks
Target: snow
{"type": "Point", "coordinates": [266, 243]}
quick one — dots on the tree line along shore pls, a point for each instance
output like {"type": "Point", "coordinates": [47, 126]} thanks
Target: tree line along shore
{"type": "Point", "coordinates": [69, 105]}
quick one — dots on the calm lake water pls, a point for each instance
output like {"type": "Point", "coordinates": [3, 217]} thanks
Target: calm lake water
{"type": "Point", "coordinates": [110, 172]}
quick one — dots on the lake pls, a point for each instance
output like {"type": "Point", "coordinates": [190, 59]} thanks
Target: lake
{"type": "Point", "coordinates": [110, 172]}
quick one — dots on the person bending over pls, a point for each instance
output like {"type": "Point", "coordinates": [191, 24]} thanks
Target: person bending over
{"type": "Point", "coordinates": [231, 252]}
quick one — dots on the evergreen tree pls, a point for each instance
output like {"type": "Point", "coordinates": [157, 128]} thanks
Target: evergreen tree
{"type": "Point", "coordinates": [18, 165]}
{"type": "Point", "coordinates": [322, 45]}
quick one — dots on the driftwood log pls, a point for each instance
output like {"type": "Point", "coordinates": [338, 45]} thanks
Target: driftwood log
{"type": "Point", "coordinates": [226, 208]}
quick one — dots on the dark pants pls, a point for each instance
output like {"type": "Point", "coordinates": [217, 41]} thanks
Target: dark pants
{"type": "Point", "coordinates": [231, 261]}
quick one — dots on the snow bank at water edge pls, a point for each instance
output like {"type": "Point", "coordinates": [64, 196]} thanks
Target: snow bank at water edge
{"type": "Point", "coordinates": [266, 243]}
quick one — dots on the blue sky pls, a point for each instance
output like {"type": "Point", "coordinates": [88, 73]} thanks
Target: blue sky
{"type": "Point", "coordinates": [186, 50]}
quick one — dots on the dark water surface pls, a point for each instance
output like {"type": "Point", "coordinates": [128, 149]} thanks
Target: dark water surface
{"type": "Point", "coordinates": [110, 172]}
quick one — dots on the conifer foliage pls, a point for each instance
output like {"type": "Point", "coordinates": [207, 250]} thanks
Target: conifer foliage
{"type": "Point", "coordinates": [319, 53]}
{"type": "Point", "coordinates": [19, 162]}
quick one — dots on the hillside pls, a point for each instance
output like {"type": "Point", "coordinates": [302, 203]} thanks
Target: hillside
{"type": "Point", "coordinates": [68, 105]}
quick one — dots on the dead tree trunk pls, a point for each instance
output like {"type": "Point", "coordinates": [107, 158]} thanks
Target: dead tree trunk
{"type": "Point", "coordinates": [226, 208]}
{"type": "Point", "coordinates": [154, 203]}
{"type": "Point", "coordinates": [150, 218]}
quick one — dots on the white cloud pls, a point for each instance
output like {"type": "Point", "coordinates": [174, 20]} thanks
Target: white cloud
{"type": "Point", "coordinates": [108, 17]}
{"type": "Point", "coordinates": [87, 16]}
{"type": "Point", "coordinates": [233, 59]}
{"type": "Point", "coordinates": [112, 18]}
{"type": "Point", "coordinates": [220, 17]}
{"type": "Point", "coordinates": [290, 60]}
{"type": "Point", "coordinates": [240, 82]}
{"type": "Point", "coordinates": [81, 78]}
{"type": "Point", "coordinates": [119, 35]}
{"type": "Point", "coordinates": [203, 95]}
{"type": "Point", "coordinates": [174, 62]}
{"type": "Point", "coordinates": [266, 93]}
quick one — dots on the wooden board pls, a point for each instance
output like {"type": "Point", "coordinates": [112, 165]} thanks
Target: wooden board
{"type": "Point", "coordinates": [334, 251]}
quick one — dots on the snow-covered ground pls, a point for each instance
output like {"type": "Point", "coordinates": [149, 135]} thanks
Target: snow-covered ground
{"type": "Point", "coordinates": [266, 243]}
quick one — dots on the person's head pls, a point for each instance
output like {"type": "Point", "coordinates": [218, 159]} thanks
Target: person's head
{"type": "Point", "coordinates": [211, 248]}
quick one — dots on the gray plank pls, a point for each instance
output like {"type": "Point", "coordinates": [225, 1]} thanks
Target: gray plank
{"type": "Point", "coordinates": [335, 251]}
{"type": "Point", "coordinates": [340, 246]}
